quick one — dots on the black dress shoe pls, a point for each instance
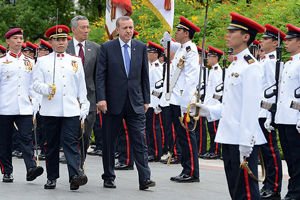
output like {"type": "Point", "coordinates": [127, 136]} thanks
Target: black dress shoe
{"type": "Point", "coordinates": [288, 198]}
{"type": "Point", "coordinates": [172, 161]}
{"type": "Point", "coordinates": [17, 154]}
{"type": "Point", "coordinates": [117, 154]}
{"type": "Point", "coordinates": [146, 183]}
{"type": "Point", "coordinates": [34, 172]}
{"type": "Point", "coordinates": [8, 178]}
{"type": "Point", "coordinates": [63, 159]}
{"type": "Point", "coordinates": [173, 178]}
{"type": "Point", "coordinates": [78, 180]}
{"type": "Point", "coordinates": [95, 153]}
{"type": "Point", "coordinates": [206, 155]}
{"type": "Point", "coordinates": [214, 156]}
{"type": "Point", "coordinates": [153, 159]}
{"type": "Point", "coordinates": [51, 184]}
{"type": "Point", "coordinates": [123, 166]}
{"type": "Point", "coordinates": [201, 155]}
{"type": "Point", "coordinates": [186, 179]}
{"type": "Point", "coordinates": [42, 156]}
{"type": "Point", "coordinates": [109, 184]}
{"type": "Point", "coordinates": [270, 195]}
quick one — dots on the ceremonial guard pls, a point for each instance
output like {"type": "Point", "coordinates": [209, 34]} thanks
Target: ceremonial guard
{"type": "Point", "coordinates": [286, 118]}
{"type": "Point", "coordinates": [153, 128]}
{"type": "Point", "coordinates": [200, 131]}
{"type": "Point", "coordinates": [238, 129]}
{"type": "Point", "coordinates": [44, 48]}
{"type": "Point", "coordinates": [17, 105]}
{"type": "Point", "coordinates": [59, 77]}
{"type": "Point", "coordinates": [272, 185]}
{"type": "Point", "coordinates": [214, 79]}
{"type": "Point", "coordinates": [182, 89]}
{"type": "Point", "coordinates": [30, 49]}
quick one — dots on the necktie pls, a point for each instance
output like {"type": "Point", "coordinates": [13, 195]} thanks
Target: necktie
{"type": "Point", "coordinates": [81, 54]}
{"type": "Point", "coordinates": [127, 59]}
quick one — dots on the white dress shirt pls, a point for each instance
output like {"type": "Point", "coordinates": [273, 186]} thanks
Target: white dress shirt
{"type": "Point", "coordinates": [77, 47]}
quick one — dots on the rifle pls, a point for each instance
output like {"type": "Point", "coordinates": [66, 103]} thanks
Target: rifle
{"type": "Point", "coordinates": [272, 107]}
{"type": "Point", "coordinates": [220, 87]}
{"type": "Point", "coordinates": [53, 82]}
{"type": "Point", "coordinates": [203, 84]}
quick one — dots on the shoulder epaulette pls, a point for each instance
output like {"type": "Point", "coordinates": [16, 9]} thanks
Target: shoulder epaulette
{"type": "Point", "coordinates": [216, 68]}
{"type": "Point", "coordinates": [188, 48]}
{"type": "Point", "coordinates": [28, 56]}
{"type": "Point", "coordinates": [156, 64]}
{"type": "Point", "coordinates": [3, 55]}
{"type": "Point", "coordinates": [249, 59]}
{"type": "Point", "coordinates": [73, 55]}
{"type": "Point", "coordinates": [271, 56]}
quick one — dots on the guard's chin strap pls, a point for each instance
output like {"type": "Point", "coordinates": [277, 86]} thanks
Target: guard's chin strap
{"type": "Point", "coordinates": [244, 164]}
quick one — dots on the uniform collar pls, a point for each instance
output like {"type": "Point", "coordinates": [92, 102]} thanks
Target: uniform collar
{"type": "Point", "coordinates": [188, 43]}
{"type": "Point", "coordinates": [15, 55]}
{"type": "Point", "coordinates": [60, 55]}
{"type": "Point", "coordinates": [295, 57]}
{"type": "Point", "coordinates": [241, 55]}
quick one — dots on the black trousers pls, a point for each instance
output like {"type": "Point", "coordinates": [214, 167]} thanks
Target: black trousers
{"type": "Point", "coordinates": [124, 146]}
{"type": "Point", "coordinates": [290, 143]}
{"type": "Point", "coordinates": [66, 131]}
{"type": "Point", "coordinates": [136, 124]}
{"type": "Point", "coordinates": [247, 187]}
{"type": "Point", "coordinates": [212, 129]}
{"type": "Point", "coordinates": [41, 133]}
{"type": "Point", "coordinates": [15, 140]}
{"type": "Point", "coordinates": [169, 132]}
{"type": "Point", "coordinates": [25, 125]}
{"type": "Point", "coordinates": [88, 126]}
{"type": "Point", "coordinates": [188, 144]}
{"type": "Point", "coordinates": [201, 136]}
{"type": "Point", "coordinates": [97, 128]}
{"type": "Point", "coordinates": [153, 133]}
{"type": "Point", "coordinates": [272, 159]}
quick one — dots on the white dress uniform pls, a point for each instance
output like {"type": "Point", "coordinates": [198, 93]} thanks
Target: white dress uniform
{"type": "Point", "coordinates": [214, 79]}
{"type": "Point", "coordinates": [188, 79]}
{"type": "Point", "coordinates": [155, 74]}
{"type": "Point", "coordinates": [16, 85]}
{"type": "Point", "coordinates": [268, 64]}
{"type": "Point", "coordinates": [290, 80]}
{"type": "Point", "coordinates": [70, 85]}
{"type": "Point", "coordinates": [242, 95]}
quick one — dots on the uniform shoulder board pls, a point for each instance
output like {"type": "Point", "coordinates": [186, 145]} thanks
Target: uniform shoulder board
{"type": "Point", "coordinates": [188, 48]}
{"type": "Point", "coordinates": [216, 68]}
{"type": "Point", "coordinates": [73, 55]}
{"type": "Point", "coordinates": [3, 55]}
{"type": "Point", "coordinates": [156, 64]}
{"type": "Point", "coordinates": [271, 56]}
{"type": "Point", "coordinates": [28, 56]}
{"type": "Point", "coordinates": [249, 59]}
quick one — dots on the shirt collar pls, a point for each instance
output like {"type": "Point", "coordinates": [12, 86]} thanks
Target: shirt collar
{"type": "Point", "coordinates": [186, 44]}
{"type": "Point", "coordinates": [122, 43]}
{"type": "Point", "coordinates": [76, 43]}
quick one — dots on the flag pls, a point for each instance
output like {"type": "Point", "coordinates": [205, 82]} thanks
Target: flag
{"type": "Point", "coordinates": [164, 10]}
{"type": "Point", "coordinates": [114, 10]}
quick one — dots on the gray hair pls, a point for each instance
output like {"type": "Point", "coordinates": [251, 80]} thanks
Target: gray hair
{"type": "Point", "coordinates": [74, 21]}
{"type": "Point", "coordinates": [122, 18]}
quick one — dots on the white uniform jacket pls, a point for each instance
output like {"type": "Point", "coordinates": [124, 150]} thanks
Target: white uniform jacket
{"type": "Point", "coordinates": [17, 95]}
{"type": "Point", "coordinates": [70, 85]}
{"type": "Point", "coordinates": [290, 80]}
{"type": "Point", "coordinates": [188, 79]}
{"type": "Point", "coordinates": [268, 64]}
{"type": "Point", "coordinates": [239, 110]}
{"type": "Point", "coordinates": [155, 74]}
{"type": "Point", "coordinates": [214, 79]}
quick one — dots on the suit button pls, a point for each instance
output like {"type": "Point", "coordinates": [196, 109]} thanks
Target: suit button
{"type": "Point", "coordinates": [64, 85]}
{"type": "Point", "coordinates": [63, 76]}
{"type": "Point", "coordinates": [19, 86]}
{"type": "Point", "coordinates": [19, 76]}
{"type": "Point", "coordinates": [62, 67]}
{"type": "Point", "coordinates": [231, 83]}
{"type": "Point", "coordinates": [64, 94]}
{"type": "Point", "coordinates": [283, 82]}
{"type": "Point", "coordinates": [19, 95]}
{"type": "Point", "coordinates": [280, 101]}
{"type": "Point", "coordinates": [223, 103]}
{"type": "Point", "coordinates": [221, 116]}
{"type": "Point", "coordinates": [7, 76]}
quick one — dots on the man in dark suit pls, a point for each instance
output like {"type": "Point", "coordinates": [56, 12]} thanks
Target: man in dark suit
{"type": "Point", "coordinates": [123, 91]}
{"type": "Point", "coordinates": [88, 51]}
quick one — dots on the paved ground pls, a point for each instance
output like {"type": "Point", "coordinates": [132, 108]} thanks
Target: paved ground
{"type": "Point", "coordinates": [212, 184]}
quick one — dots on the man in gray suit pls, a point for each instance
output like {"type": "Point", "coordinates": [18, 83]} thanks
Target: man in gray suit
{"type": "Point", "coordinates": [88, 51]}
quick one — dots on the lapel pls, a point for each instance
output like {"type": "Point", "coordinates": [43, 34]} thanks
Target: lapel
{"type": "Point", "coordinates": [88, 52]}
{"type": "Point", "coordinates": [71, 48]}
{"type": "Point", "coordinates": [134, 51]}
{"type": "Point", "coordinates": [118, 54]}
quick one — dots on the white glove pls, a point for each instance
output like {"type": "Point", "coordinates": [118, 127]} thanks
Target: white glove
{"type": "Point", "coordinates": [245, 151]}
{"type": "Point", "coordinates": [203, 110]}
{"type": "Point", "coordinates": [268, 126]}
{"type": "Point", "coordinates": [167, 37]}
{"type": "Point", "coordinates": [82, 117]}
{"type": "Point", "coordinates": [298, 126]}
{"type": "Point", "coordinates": [157, 109]}
{"type": "Point", "coordinates": [183, 110]}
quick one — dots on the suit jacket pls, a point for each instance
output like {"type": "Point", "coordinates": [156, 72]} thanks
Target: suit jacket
{"type": "Point", "coordinates": [90, 66]}
{"type": "Point", "coordinates": [113, 85]}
